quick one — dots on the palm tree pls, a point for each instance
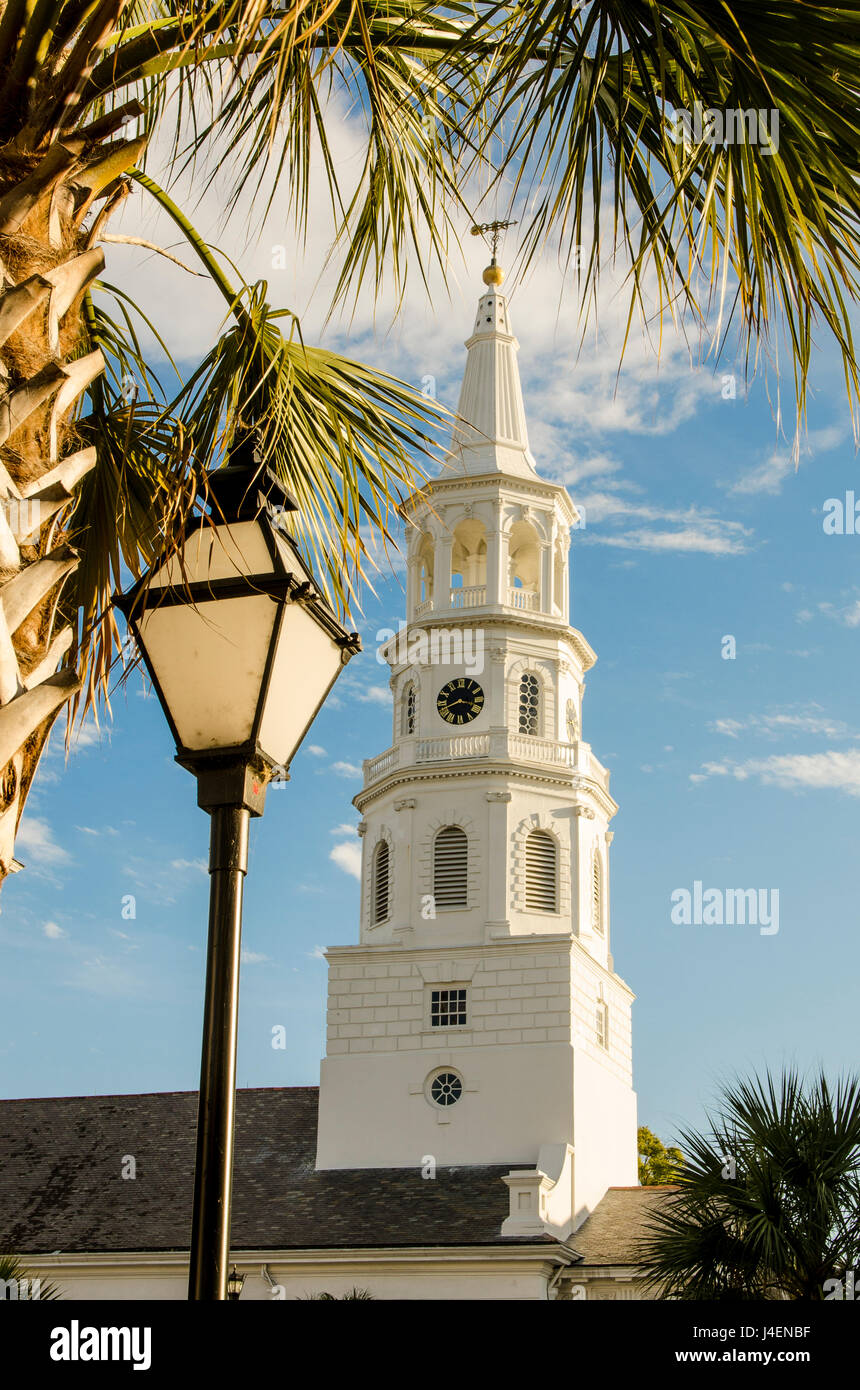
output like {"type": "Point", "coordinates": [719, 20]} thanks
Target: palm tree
{"type": "Point", "coordinates": [18, 1283]}
{"type": "Point", "coordinates": [93, 478]}
{"type": "Point", "coordinates": [97, 465]}
{"type": "Point", "coordinates": [768, 1202]}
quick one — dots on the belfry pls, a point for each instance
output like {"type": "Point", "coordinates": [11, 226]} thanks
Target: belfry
{"type": "Point", "coordinates": [480, 1020]}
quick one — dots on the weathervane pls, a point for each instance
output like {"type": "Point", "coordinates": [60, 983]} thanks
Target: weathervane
{"type": "Point", "coordinates": [495, 229]}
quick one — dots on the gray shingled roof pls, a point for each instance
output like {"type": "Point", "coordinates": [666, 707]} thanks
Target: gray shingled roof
{"type": "Point", "coordinates": [610, 1234]}
{"type": "Point", "coordinates": [61, 1186]}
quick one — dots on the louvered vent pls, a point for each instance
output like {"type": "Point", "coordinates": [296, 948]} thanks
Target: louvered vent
{"type": "Point", "coordinates": [541, 873]}
{"type": "Point", "coordinates": [409, 710]}
{"type": "Point", "coordinates": [450, 867]}
{"type": "Point", "coordinates": [381, 881]}
{"type": "Point", "coordinates": [597, 895]}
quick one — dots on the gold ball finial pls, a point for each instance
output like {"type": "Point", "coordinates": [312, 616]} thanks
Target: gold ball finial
{"type": "Point", "coordinates": [493, 275]}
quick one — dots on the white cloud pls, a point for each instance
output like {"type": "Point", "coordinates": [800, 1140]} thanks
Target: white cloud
{"type": "Point", "coordinates": [88, 735]}
{"type": "Point", "coordinates": [769, 475]}
{"type": "Point", "coordinates": [344, 829]}
{"type": "Point", "coordinates": [253, 957]}
{"type": "Point", "coordinates": [316, 751]}
{"type": "Point", "coordinates": [773, 725]}
{"type": "Point", "coordinates": [347, 857]}
{"type": "Point", "coordinates": [765, 477]}
{"type": "Point", "coordinates": [318, 953]}
{"type": "Point", "coordinates": [832, 770]}
{"type": "Point", "coordinates": [53, 931]}
{"type": "Point", "coordinates": [36, 840]}
{"type": "Point", "coordinates": [374, 695]}
{"type": "Point", "coordinates": [846, 614]}
{"type": "Point", "coordinates": [346, 769]}
{"type": "Point", "coordinates": [694, 530]}
{"type": "Point", "coordinates": [198, 865]}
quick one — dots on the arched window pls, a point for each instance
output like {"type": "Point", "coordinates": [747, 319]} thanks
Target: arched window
{"type": "Point", "coordinates": [602, 1024]}
{"type": "Point", "coordinates": [381, 883]}
{"type": "Point", "coordinates": [410, 709]}
{"type": "Point", "coordinates": [597, 894]}
{"type": "Point", "coordinates": [541, 872]}
{"type": "Point", "coordinates": [529, 713]}
{"type": "Point", "coordinates": [450, 867]}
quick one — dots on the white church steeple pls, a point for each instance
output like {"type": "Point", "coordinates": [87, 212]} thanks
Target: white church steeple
{"type": "Point", "coordinates": [479, 1019]}
{"type": "Point", "coordinates": [491, 434]}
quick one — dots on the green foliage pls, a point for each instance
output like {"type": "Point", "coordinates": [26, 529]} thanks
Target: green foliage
{"type": "Point", "coordinates": [583, 96]}
{"type": "Point", "coordinates": [769, 1200]}
{"type": "Point", "coordinates": [12, 1268]}
{"type": "Point", "coordinates": [657, 1164]}
{"type": "Point", "coordinates": [557, 109]}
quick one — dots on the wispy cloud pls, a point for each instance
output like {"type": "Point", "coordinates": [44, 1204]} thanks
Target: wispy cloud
{"type": "Point", "coordinates": [373, 695]}
{"type": "Point", "coordinates": [781, 723]}
{"type": "Point", "coordinates": [344, 829]}
{"type": "Point", "coordinates": [846, 613]}
{"type": "Point", "coordinates": [36, 840]}
{"type": "Point", "coordinates": [53, 931]}
{"type": "Point", "coordinates": [346, 769]}
{"type": "Point", "coordinates": [766, 477]}
{"type": "Point", "coordinates": [253, 957]}
{"type": "Point", "coordinates": [316, 751]}
{"type": "Point", "coordinates": [832, 770]}
{"type": "Point", "coordinates": [196, 865]}
{"type": "Point", "coordinates": [106, 977]}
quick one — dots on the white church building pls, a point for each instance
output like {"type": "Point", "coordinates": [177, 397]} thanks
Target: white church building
{"type": "Point", "coordinates": [474, 1131]}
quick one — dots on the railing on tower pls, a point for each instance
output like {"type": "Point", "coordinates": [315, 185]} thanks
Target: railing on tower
{"type": "Point", "coordinates": [521, 598]}
{"type": "Point", "coordinates": [469, 597]}
{"type": "Point", "coordinates": [497, 743]}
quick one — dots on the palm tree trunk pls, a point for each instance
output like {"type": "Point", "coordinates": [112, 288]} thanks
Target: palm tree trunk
{"type": "Point", "coordinates": [47, 260]}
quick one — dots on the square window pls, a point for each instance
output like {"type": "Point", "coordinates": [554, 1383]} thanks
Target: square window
{"type": "Point", "coordinates": [448, 1008]}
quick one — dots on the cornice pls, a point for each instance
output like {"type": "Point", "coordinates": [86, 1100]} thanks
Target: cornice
{"type": "Point", "coordinates": [536, 776]}
{"type": "Point", "coordinates": [530, 487]}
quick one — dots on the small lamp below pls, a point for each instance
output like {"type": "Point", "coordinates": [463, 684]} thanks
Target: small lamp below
{"type": "Point", "coordinates": [235, 1281]}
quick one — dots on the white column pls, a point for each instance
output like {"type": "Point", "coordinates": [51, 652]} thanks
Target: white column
{"type": "Point", "coordinates": [545, 600]}
{"type": "Point", "coordinates": [494, 593]}
{"type": "Point", "coordinates": [504, 566]}
{"type": "Point", "coordinates": [413, 571]}
{"type": "Point", "coordinates": [442, 571]}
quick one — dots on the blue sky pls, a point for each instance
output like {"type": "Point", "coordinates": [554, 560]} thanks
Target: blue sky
{"type": "Point", "coordinates": [740, 773]}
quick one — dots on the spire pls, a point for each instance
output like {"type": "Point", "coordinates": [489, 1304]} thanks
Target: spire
{"type": "Point", "coordinates": [490, 435]}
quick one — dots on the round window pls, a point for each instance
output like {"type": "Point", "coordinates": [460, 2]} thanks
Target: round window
{"type": "Point", "coordinates": [446, 1088]}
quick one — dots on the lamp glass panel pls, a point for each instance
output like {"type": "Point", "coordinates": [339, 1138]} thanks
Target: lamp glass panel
{"type": "Point", "coordinates": [307, 661]}
{"type": "Point", "coordinates": [290, 557]}
{"type": "Point", "coordinates": [218, 552]}
{"type": "Point", "coordinates": [209, 661]}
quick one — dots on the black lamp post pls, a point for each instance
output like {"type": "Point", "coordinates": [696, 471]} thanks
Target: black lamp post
{"type": "Point", "coordinates": [242, 651]}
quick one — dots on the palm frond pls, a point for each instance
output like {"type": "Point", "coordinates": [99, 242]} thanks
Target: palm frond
{"type": "Point", "coordinates": [767, 1203]}
{"type": "Point", "coordinates": [586, 98]}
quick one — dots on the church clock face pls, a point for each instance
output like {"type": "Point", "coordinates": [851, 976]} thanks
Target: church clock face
{"type": "Point", "coordinates": [460, 701]}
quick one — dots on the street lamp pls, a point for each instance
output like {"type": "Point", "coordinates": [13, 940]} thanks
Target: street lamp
{"type": "Point", "coordinates": [242, 651]}
{"type": "Point", "coordinates": [235, 1282]}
